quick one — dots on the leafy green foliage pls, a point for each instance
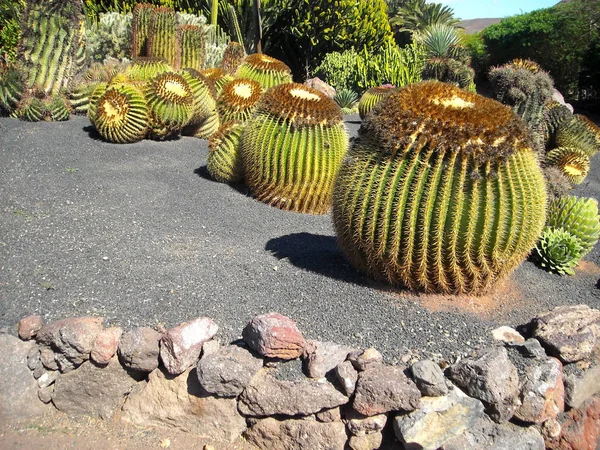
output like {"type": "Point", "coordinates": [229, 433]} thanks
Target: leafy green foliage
{"type": "Point", "coordinates": [475, 45]}
{"type": "Point", "coordinates": [10, 30]}
{"type": "Point", "coordinates": [558, 250]}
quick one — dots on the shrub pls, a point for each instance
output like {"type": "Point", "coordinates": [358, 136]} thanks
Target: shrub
{"type": "Point", "coordinates": [109, 37]}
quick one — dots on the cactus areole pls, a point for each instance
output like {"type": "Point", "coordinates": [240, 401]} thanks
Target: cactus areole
{"type": "Point", "coordinates": [441, 191]}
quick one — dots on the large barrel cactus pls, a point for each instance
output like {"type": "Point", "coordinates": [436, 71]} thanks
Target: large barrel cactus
{"type": "Point", "coordinates": [267, 71]}
{"type": "Point", "coordinates": [371, 97]}
{"type": "Point", "coordinates": [579, 132]}
{"type": "Point", "coordinates": [217, 78]}
{"type": "Point", "coordinates": [440, 192]}
{"type": "Point", "coordinates": [572, 162]}
{"type": "Point", "coordinates": [145, 68]}
{"type": "Point", "coordinates": [292, 148]}
{"type": "Point", "coordinates": [238, 99]}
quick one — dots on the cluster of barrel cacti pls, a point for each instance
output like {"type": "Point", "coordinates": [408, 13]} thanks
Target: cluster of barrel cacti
{"type": "Point", "coordinates": [564, 141]}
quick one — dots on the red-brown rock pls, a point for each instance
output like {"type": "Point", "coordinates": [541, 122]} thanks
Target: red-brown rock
{"type": "Point", "coordinates": [274, 336]}
{"type": "Point", "coordinates": [29, 326]}
{"type": "Point", "coordinates": [106, 344]}
{"type": "Point", "coordinates": [580, 428]}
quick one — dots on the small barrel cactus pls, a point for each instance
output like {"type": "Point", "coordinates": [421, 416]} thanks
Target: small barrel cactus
{"type": "Point", "coordinates": [238, 99]}
{"type": "Point", "coordinates": [58, 108]}
{"type": "Point", "coordinates": [267, 71]}
{"type": "Point", "coordinates": [120, 114]}
{"type": "Point", "coordinates": [292, 147]}
{"type": "Point", "coordinates": [572, 162]}
{"type": "Point", "coordinates": [579, 132]}
{"type": "Point", "coordinates": [224, 162]}
{"type": "Point", "coordinates": [440, 192]}
{"type": "Point", "coordinates": [449, 70]}
{"type": "Point", "coordinates": [577, 215]}
{"type": "Point", "coordinates": [558, 251]}
{"type": "Point", "coordinates": [217, 77]}
{"type": "Point", "coordinates": [205, 118]}
{"type": "Point", "coordinates": [30, 109]}
{"type": "Point", "coordinates": [371, 97]}
{"type": "Point", "coordinates": [11, 87]}
{"type": "Point", "coordinates": [170, 104]}
{"type": "Point", "coordinates": [555, 113]}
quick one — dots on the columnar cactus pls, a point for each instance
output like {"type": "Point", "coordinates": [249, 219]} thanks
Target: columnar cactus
{"type": "Point", "coordinates": [142, 13]}
{"type": "Point", "coordinates": [371, 97]}
{"type": "Point", "coordinates": [577, 215]}
{"type": "Point", "coordinates": [217, 77]}
{"type": "Point", "coordinates": [572, 162]}
{"type": "Point", "coordinates": [162, 36]}
{"type": "Point", "coordinates": [440, 192]}
{"type": "Point", "coordinates": [292, 147]}
{"type": "Point", "coordinates": [238, 99]}
{"type": "Point", "coordinates": [224, 162]}
{"type": "Point", "coordinates": [52, 34]}
{"type": "Point", "coordinates": [120, 114]}
{"type": "Point", "coordinates": [265, 70]}
{"type": "Point", "coordinates": [233, 56]}
{"type": "Point", "coordinates": [579, 132]}
{"type": "Point", "coordinates": [193, 47]}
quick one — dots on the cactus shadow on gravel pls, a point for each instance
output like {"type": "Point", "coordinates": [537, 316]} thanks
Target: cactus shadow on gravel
{"type": "Point", "coordinates": [202, 172]}
{"type": "Point", "coordinates": [315, 253]}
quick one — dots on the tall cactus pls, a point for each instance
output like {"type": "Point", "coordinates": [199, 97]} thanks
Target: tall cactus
{"type": "Point", "coordinates": [238, 99]}
{"type": "Point", "coordinates": [193, 47]}
{"type": "Point", "coordinates": [371, 97]}
{"type": "Point", "coordinates": [162, 36]}
{"type": "Point", "coordinates": [440, 192]}
{"type": "Point", "coordinates": [142, 13]}
{"type": "Point", "coordinates": [292, 147]}
{"type": "Point", "coordinates": [267, 71]}
{"type": "Point", "coordinates": [52, 36]}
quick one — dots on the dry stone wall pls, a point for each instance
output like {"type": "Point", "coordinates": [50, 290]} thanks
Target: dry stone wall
{"type": "Point", "coordinates": [532, 390]}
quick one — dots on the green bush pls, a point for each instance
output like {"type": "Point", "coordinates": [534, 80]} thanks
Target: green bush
{"type": "Point", "coordinates": [110, 37]}
{"type": "Point", "coordinates": [480, 60]}
{"type": "Point", "coordinates": [10, 31]}
{"type": "Point", "coordinates": [557, 38]}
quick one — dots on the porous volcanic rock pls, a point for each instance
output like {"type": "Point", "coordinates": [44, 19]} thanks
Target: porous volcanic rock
{"type": "Point", "coordinates": [580, 428]}
{"type": "Point", "coordinates": [274, 336]}
{"type": "Point", "coordinates": [347, 376]}
{"type": "Point", "coordinates": [429, 378]}
{"type": "Point", "coordinates": [28, 327]}
{"type": "Point", "coordinates": [542, 393]}
{"type": "Point", "coordinates": [139, 349]}
{"type": "Point", "coordinates": [322, 357]}
{"type": "Point", "coordinates": [359, 425]}
{"type": "Point", "coordinates": [363, 359]}
{"type": "Point", "coordinates": [106, 345]}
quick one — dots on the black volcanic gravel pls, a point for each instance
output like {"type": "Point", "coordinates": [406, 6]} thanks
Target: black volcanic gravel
{"type": "Point", "coordinates": [139, 234]}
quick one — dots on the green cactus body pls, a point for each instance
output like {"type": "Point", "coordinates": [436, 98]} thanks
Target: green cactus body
{"type": "Point", "coordinates": [11, 88]}
{"type": "Point", "coordinates": [97, 92]}
{"type": "Point", "coordinates": [449, 70]}
{"type": "Point", "coordinates": [292, 148]}
{"type": "Point", "coordinates": [558, 251]}
{"type": "Point", "coordinates": [440, 192]}
{"type": "Point", "coordinates": [104, 71]}
{"type": "Point", "coordinates": [163, 37]}
{"type": "Point", "coordinates": [170, 104]}
{"type": "Point", "coordinates": [579, 132]}
{"type": "Point", "coordinates": [58, 108]}
{"type": "Point", "coordinates": [577, 215]}
{"type": "Point", "coordinates": [142, 13]}
{"type": "Point", "coordinates": [233, 57]}
{"type": "Point", "coordinates": [217, 78]}
{"type": "Point", "coordinates": [572, 162]}
{"type": "Point", "coordinates": [205, 118]}
{"type": "Point", "coordinates": [193, 47]}
{"type": "Point", "coordinates": [143, 69]}
{"type": "Point", "coordinates": [371, 97]}
{"type": "Point", "coordinates": [265, 70]}
{"type": "Point", "coordinates": [121, 114]}
{"type": "Point", "coordinates": [31, 109]}
{"type": "Point", "coordinates": [238, 99]}
{"type": "Point", "coordinates": [80, 97]}
{"type": "Point", "coordinates": [52, 34]}
{"type": "Point", "coordinates": [224, 162]}
{"type": "Point", "coordinates": [555, 114]}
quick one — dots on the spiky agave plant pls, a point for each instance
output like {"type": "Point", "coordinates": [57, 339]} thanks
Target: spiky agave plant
{"type": "Point", "coordinates": [579, 216]}
{"type": "Point", "coordinates": [579, 132]}
{"type": "Point", "coordinates": [142, 13]}
{"type": "Point", "coordinates": [572, 162]}
{"type": "Point", "coordinates": [265, 70]}
{"type": "Point", "coordinates": [440, 192]}
{"type": "Point", "coordinates": [205, 117]}
{"type": "Point", "coordinates": [11, 87]}
{"type": "Point", "coordinates": [346, 99]}
{"type": "Point", "coordinates": [558, 251]}
{"type": "Point", "coordinates": [371, 97]}
{"type": "Point", "coordinates": [224, 162]}
{"type": "Point", "coordinates": [192, 47]}
{"type": "Point", "coordinates": [162, 36]}
{"type": "Point", "coordinates": [238, 99]}
{"type": "Point", "coordinates": [170, 104]}
{"type": "Point", "coordinates": [217, 78]}
{"type": "Point", "coordinates": [292, 147]}
{"type": "Point", "coordinates": [233, 57]}
{"type": "Point", "coordinates": [120, 114]}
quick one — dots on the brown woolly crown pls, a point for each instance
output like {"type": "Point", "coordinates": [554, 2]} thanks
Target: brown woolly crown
{"type": "Point", "coordinates": [265, 63]}
{"type": "Point", "coordinates": [241, 93]}
{"type": "Point", "coordinates": [449, 119]}
{"type": "Point", "coordinates": [301, 105]}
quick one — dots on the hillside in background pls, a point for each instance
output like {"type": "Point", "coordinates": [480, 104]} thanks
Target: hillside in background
{"type": "Point", "coordinates": [476, 25]}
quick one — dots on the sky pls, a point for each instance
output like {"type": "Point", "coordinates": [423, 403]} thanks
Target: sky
{"type": "Point", "coordinates": [476, 9]}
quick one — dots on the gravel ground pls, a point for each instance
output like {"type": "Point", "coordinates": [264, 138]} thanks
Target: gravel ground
{"type": "Point", "coordinates": [139, 234]}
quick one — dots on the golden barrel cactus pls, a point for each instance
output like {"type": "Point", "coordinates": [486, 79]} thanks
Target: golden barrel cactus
{"type": "Point", "coordinates": [238, 99]}
{"type": "Point", "coordinates": [440, 192]}
{"type": "Point", "coordinates": [292, 148]}
{"type": "Point", "coordinates": [371, 97]}
{"type": "Point", "coordinates": [265, 70]}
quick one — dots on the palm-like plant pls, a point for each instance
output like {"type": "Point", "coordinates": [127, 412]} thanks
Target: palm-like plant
{"type": "Point", "coordinates": [416, 15]}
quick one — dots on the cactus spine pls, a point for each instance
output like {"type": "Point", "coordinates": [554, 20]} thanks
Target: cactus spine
{"type": "Point", "coordinates": [440, 192]}
{"type": "Point", "coordinates": [579, 132]}
{"type": "Point", "coordinates": [224, 162]}
{"type": "Point", "coordinates": [142, 13]}
{"type": "Point", "coordinates": [143, 69]}
{"type": "Point", "coordinates": [292, 147]}
{"type": "Point", "coordinates": [371, 97]}
{"type": "Point", "coordinates": [205, 118]}
{"type": "Point", "coordinates": [58, 108]}
{"type": "Point", "coordinates": [217, 78]}
{"type": "Point", "coordinates": [265, 70]}
{"type": "Point", "coordinates": [30, 109]}
{"type": "Point", "coordinates": [238, 99]}
{"type": "Point", "coordinates": [162, 36]}
{"type": "Point", "coordinates": [193, 47]}
{"type": "Point", "coordinates": [232, 57]}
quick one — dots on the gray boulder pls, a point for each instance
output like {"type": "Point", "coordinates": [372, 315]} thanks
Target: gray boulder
{"type": "Point", "coordinates": [139, 349]}
{"type": "Point", "coordinates": [429, 378]}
